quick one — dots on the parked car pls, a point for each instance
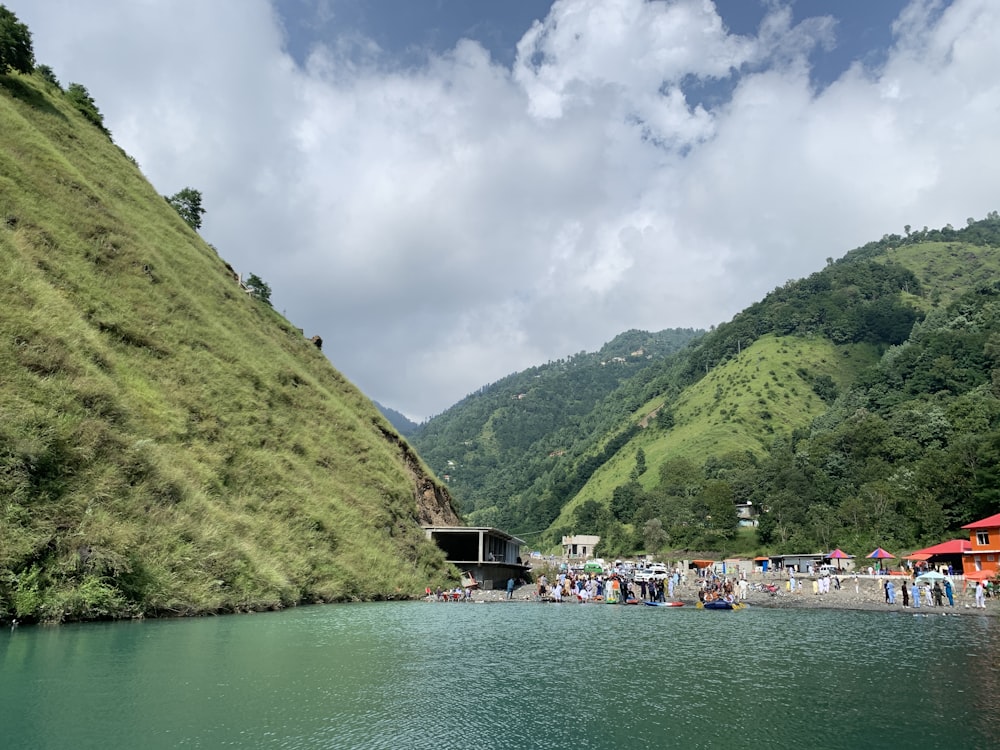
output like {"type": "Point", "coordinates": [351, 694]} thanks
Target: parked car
{"type": "Point", "coordinates": [652, 572]}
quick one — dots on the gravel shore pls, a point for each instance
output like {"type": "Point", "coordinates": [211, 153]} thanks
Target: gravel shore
{"type": "Point", "coordinates": [865, 593]}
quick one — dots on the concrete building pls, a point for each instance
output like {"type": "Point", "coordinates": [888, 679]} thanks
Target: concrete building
{"type": "Point", "coordinates": [579, 546]}
{"type": "Point", "coordinates": [487, 555]}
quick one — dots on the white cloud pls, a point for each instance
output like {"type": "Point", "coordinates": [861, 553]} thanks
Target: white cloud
{"type": "Point", "coordinates": [445, 225]}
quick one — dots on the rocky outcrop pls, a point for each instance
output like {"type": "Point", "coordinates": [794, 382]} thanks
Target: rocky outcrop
{"type": "Point", "coordinates": [434, 503]}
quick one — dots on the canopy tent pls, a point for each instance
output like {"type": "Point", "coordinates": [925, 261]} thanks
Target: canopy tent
{"type": "Point", "coordinates": [979, 575]}
{"type": "Point", "coordinates": [838, 555]}
{"type": "Point", "coordinates": [879, 555]}
{"type": "Point", "coordinates": [702, 563]}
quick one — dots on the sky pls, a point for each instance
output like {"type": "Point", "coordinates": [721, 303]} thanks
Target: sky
{"type": "Point", "coordinates": [450, 191]}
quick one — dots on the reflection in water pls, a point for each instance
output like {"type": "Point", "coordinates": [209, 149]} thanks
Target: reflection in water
{"type": "Point", "coordinates": [423, 675]}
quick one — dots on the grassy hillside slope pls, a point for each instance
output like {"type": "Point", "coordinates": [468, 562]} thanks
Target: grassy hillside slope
{"type": "Point", "coordinates": [167, 443]}
{"type": "Point", "coordinates": [737, 407]}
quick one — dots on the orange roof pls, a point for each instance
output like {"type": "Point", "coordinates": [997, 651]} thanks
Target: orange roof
{"type": "Point", "coordinates": [918, 556]}
{"type": "Point", "coordinates": [991, 522]}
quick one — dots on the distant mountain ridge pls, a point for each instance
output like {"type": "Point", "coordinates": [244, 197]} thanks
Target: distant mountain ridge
{"type": "Point", "coordinates": [403, 424]}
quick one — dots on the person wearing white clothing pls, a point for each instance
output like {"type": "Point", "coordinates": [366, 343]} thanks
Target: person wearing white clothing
{"type": "Point", "coordinates": [980, 595]}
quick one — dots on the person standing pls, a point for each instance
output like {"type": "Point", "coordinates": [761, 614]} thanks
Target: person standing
{"type": "Point", "coordinates": [980, 595]}
{"type": "Point", "coordinates": [949, 592]}
{"type": "Point", "coordinates": [510, 588]}
{"type": "Point", "coordinates": [743, 589]}
{"type": "Point", "coordinates": [938, 594]}
{"type": "Point", "coordinates": [906, 594]}
{"type": "Point", "coordinates": [890, 592]}
{"type": "Point", "coordinates": [916, 596]}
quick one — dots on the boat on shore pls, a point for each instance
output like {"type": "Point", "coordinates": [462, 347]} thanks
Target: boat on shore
{"type": "Point", "coordinates": [664, 604]}
{"type": "Point", "coordinates": [720, 604]}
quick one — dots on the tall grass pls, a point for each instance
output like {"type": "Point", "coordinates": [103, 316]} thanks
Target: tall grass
{"type": "Point", "coordinates": [167, 444]}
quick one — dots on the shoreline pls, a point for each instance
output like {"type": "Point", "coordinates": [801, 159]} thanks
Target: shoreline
{"type": "Point", "coordinates": [869, 597]}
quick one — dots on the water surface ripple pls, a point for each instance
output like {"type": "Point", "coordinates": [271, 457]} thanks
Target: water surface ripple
{"type": "Point", "coordinates": [485, 676]}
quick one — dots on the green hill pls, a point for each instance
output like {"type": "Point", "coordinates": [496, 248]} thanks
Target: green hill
{"type": "Point", "coordinates": [737, 408]}
{"type": "Point", "coordinates": [169, 444]}
{"type": "Point", "coordinates": [897, 334]}
{"type": "Point", "coordinates": [507, 434]}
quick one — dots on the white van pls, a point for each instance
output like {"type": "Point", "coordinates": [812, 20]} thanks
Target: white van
{"type": "Point", "coordinates": [652, 572]}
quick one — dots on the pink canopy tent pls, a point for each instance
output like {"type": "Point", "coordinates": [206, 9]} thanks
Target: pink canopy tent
{"type": "Point", "coordinates": [880, 554]}
{"type": "Point", "coordinates": [838, 555]}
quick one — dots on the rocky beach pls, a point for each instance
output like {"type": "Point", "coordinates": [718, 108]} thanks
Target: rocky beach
{"type": "Point", "coordinates": [865, 593]}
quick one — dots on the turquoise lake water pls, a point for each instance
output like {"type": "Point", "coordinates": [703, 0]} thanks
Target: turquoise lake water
{"type": "Point", "coordinates": [518, 675]}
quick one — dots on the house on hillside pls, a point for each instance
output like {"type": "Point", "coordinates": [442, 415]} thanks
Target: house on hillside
{"type": "Point", "coordinates": [982, 560]}
{"type": "Point", "coordinates": [746, 513]}
{"type": "Point", "coordinates": [487, 555]}
{"type": "Point", "coordinates": [579, 546]}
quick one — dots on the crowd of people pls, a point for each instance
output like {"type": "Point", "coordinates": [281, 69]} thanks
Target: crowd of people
{"type": "Point", "coordinates": [611, 587]}
{"type": "Point", "coordinates": [625, 586]}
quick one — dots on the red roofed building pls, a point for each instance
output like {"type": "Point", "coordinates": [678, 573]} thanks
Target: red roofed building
{"type": "Point", "coordinates": [951, 554]}
{"type": "Point", "coordinates": [983, 558]}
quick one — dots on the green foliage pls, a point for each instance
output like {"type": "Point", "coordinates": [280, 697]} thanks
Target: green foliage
{"type": "Point", "coordinates": [16, 51]}
{"type": "Point", "coordinates": [259, 289]}
{"type": "Point", "coordinates": [187, 203]}
{"type": "Point", "coordinates": [166, 445]}
{"type": "Point", "coordinates": [80, 98]}
{"type": "Point", "coordinates": [653, 536]}
{"type": "Point", "coordinates": [535, 438]}
{"type": "Point", "coordinates": [48, 75]}
{"type": "Point", "coordinates": [590, 517]}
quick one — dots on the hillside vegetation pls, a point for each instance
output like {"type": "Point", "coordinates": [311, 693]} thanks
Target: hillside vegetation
{"type": "Point", "coordinates": [506, 434]}
{"type": "Point", "coordinates": [169, 444]}
{"type": "Point", "coordinates": [856, 407]}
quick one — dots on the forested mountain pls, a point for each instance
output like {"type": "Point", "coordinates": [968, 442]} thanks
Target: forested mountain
{"type": "Point", "coordinates": [854, 407]}
{"type": "Point", "coordinates": [169, 444]}
{"type": "Point", "coordinates": [505, 435]}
